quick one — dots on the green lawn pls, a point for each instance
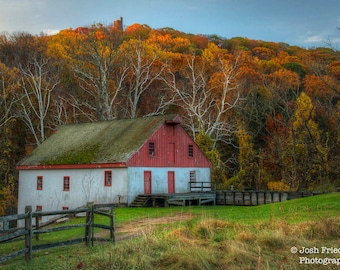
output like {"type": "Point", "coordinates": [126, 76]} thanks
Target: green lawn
{"type": "Point", "coordinates": [216, 237]}
{"type": "Point", "coordinates": [309, 208]}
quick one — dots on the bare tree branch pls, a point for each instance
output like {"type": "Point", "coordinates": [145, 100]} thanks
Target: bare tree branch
{"type": "Point", "coordinates": [38, 81]}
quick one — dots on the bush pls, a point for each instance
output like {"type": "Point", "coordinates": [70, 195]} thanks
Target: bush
{"type": "Point", "coordinates": [278, 186]}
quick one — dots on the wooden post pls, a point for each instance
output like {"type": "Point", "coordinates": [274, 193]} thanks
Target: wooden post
{"type": "Point", "coordinates": [92, 222]}
{"type": "Point", "coordinates": [112, 225]}
{"type": "Point", "coordinates": [89, 220]}
{"type": "Point", "coordinates": [37, 226]}
{"type": "Point", "coordinates": [28, 235]}
{"type": "Point", "coordinates": [264, 197]}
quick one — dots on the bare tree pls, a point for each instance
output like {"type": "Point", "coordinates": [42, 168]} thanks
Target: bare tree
{"type": "Point", "coordinates": [97, 68]}
{"type": "Point", "coordinates": [144, 68]}
{"type": "Point", "coordinates": [206, 97]}
{"type": "Point", "coordinates": [38, 81]}
{"type": "Point", "coordinates": [8, 97]}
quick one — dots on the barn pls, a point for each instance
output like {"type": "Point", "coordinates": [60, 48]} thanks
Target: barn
{"type": "Point", "coordinates": [110, 162]}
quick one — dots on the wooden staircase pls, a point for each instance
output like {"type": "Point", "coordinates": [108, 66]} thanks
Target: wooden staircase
{"type": "Point", "coordinates": [140, 201]}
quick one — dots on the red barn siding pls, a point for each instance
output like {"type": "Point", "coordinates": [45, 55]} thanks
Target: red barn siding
{"type": "Point", "coordinates": [171, 150]}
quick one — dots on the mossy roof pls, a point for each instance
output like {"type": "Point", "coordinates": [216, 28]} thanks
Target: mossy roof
{"type": "Point", "coordinates": [96, 142]}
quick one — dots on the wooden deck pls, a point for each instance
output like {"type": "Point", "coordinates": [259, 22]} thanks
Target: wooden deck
{"type": "Point", "coordinates": [180, 199]}
{"type": "Point", "coordinates": [206, 193]}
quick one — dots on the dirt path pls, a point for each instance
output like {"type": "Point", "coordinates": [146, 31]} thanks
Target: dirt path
{"type": "Point", "coordinates": [143, 226]}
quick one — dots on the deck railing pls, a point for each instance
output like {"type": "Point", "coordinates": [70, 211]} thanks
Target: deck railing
{"type": "Point", "coordinates": [202, 186]}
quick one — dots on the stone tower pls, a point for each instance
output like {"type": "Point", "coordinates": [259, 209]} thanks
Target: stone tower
{"type": "Point", "coordinates": [118, 24]}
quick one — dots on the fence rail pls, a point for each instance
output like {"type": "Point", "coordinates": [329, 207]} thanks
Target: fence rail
{"type": "Point", "coordinates": [246, 197]}
{"type": "Point", "coordinates": [257, 197]}
{"type": "Point", "coordinates": [29, 229]}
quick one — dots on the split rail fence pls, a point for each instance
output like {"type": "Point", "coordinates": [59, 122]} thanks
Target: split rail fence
{"type": "Point", "coordinates": [26, 233]}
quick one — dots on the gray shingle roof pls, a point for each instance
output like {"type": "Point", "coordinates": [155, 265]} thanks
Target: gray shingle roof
{"type": "Point", "coordinates": [96, 142]}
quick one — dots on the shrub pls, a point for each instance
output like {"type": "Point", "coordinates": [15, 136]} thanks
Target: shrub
{"type": "Point", "coordinates": [278, 186]}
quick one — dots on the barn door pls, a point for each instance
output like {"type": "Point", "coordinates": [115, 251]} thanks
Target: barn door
{"type": "Point", "coordinates": [147, 182]}
{"type": "Point", "coordinates": [171, 182]}
{"type": "Point", "coordinates": [172, 153]}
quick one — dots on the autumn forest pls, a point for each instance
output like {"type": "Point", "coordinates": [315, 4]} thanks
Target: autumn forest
{"type": "Point", "coordinates": [266, 114]}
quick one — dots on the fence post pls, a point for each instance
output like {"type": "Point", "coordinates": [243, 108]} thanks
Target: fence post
{"type": "Point", "coordinates": [92, 223]}
{"type": "Point", "coordinates": [28, 236]}
{"type": "Point", "coordinates": [37, 226]}
{"type": "Point", "coordinates": [89, 221]}
{"type": "Point", "coordinates": [112, 225]}
{"type": "Point", "coordinates": [264, 197]}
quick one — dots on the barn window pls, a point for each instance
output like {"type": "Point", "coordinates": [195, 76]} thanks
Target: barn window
{"type": "Point", "coordinates": [190, 150]}
{"type": "Point", "coordinates": [151, 149]}
{"type": "Point", "coordinates": [192, 176]}
{"type": "Point", "coordinates": [108, 178]}
{"type": "Point", "coordinates": [39, 182]}
{"type": "Point", "coordinates": [66, 183]}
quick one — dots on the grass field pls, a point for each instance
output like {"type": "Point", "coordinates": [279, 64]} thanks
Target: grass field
{"type": "Point", "coordinates": [208, 237]}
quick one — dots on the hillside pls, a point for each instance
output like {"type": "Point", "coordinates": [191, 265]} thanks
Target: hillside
{"type": "Point", "coordinates": [265, 113]}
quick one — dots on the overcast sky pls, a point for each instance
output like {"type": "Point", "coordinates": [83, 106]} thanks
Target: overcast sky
{"type": "Point", "coordinates": [305, 23]}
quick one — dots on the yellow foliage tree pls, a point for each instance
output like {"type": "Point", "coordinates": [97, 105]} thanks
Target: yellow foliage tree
{"type": "Point", "coordinates": [248, 161]}
{"type": "Point", "coordinates": [278, 186]}
{"type": "Point", "coordinates": [310, 147]}
{"type": "Point", "coordinates": [218, 175]}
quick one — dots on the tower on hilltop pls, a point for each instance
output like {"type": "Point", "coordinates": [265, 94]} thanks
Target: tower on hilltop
{"type": "Point", "coordinates": [118, 24]}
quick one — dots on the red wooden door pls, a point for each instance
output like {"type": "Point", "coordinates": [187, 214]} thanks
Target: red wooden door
{"type": "Point", "coordinates": [171, 182]}
{"type": "Point", "coordinates": [147, 182]}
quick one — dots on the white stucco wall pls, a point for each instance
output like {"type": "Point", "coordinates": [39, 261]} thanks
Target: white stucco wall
{"type": "Point", "coordinates": [86, 185]}
{"type": "Point", "coordinates": [159, 178]}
